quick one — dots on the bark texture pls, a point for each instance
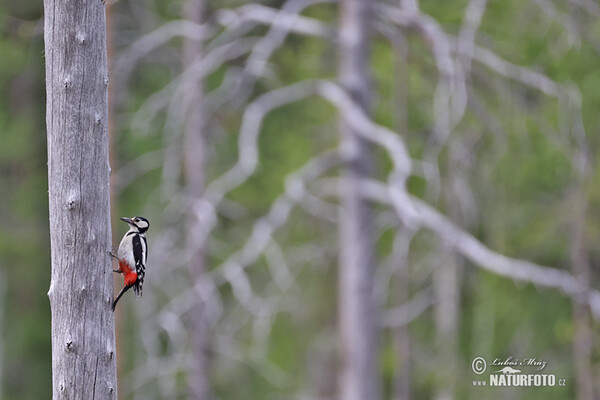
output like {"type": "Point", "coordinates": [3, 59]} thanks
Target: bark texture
{"type": "Point", "coordinates": [359, 372]}
{"type": "Point", "coordinates": [81, 288]}
{"type": "Point", "coordinates": [194, 156]}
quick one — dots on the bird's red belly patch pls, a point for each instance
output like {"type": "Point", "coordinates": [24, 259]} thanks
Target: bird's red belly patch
{"type": "Point", "coordinates": [128, 273]}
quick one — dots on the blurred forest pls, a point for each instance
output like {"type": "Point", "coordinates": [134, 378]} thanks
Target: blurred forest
{"type": "Point", "coordinates": [487, 110]}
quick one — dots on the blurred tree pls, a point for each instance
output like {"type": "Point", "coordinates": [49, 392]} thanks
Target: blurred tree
{"type": "Point", "coordinates": [359, 376]}
{"type": "Point", "coordinates": [194, 149]}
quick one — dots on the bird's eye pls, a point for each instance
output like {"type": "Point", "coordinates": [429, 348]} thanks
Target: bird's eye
{"type": "Point", "coordinates": [137, 220]}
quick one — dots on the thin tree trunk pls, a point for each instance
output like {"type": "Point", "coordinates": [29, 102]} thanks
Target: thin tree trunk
{"type": "Point", "coordinates": [582, 341]}
{"type": "Point", "coordinates": [117, 278]}
{"type": "Point", "coordinates": [359, 377]}
{"type": "Point", "coordinates": [194, 152]}
{"type": "Point", "coordinates": [446, 287]}
{"type": "Point", "coordinates": [402, 384]}
{"type": "Point", "coordinates": [81, 288]}
{"type": "Point", "coordinates": [402, 340]}
{"type": "Point", "coordinates": [2, 329]}
{"type": "Point", "coordinates": [446, 290]}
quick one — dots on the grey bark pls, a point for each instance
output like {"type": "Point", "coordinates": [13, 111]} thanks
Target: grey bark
{"type": "Point", "coordinates": [359, 377]}
{"type": "Point", "coordinates": [81, 287]}
{"type": "Point", "coordinates": [446, 286]}
{"type": "Point", "coordinates": [447, 313]}
{"type": "Point", "coordinates": [194, 156]}
{"type": "Point", "coordinates": [2, 328]}
{"type": "Point", "coordinates": [582, 338]}
{"type": "Point", "coordinates": [402, 384]}
{"type": "Point", "coordinates": [402, 339]}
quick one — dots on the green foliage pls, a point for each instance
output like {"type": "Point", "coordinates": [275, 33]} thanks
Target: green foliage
{"type": "Point", "coordinates": [24, 242]}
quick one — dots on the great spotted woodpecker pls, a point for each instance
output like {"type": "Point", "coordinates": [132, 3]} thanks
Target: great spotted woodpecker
{"type": "Point", "coordinates": [132, 255]}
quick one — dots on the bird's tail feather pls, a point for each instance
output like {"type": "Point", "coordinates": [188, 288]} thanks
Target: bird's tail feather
{"type": "Point", "coordinates": [121, 293]}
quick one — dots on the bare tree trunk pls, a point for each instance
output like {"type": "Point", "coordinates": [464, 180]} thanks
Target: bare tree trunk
{"type": "Point", "coordinates": [2, 330]}
{"type": "Point", "coordinates": [359, 378]}
{"type": "Point", "coordinates": [446, 290]}
{"type": "Point", "coordinates": [81, 288]}
{"type": "Point", "coordinates": [114, 169]}
{"type": "Point", "coordinates": [194, 150]}
{"type": "Point", "coordinates": [446, 287]}
{"type": "Point", "coordinates": [402, 387]}
{"type": "Point", "coordinates": [402, 340]}
{"type": "Point", "coordinates": [582, 340]}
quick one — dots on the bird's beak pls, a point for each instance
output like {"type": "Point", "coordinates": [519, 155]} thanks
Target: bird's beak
{"type": "Point", "coordinates": [128, 220]}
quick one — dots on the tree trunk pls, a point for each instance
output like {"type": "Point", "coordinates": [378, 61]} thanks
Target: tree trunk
{"type": "Point", "coordinates": [359, 377]}
{"type": "Point", "coordinates": [402, 383]}
{"type": "Point", "coordinates": [81, 288]}
{"type": "Point", "coordinates": [121, 343]}
{"type": "Point", "coordinates": [446, 286]}
{"type": "Point", "coordinates": [2, 328]}
{"type": "Point", "coordinates": [194, 155]}
{"type": "Point", "coordinates": [582, 339]}
{"type": "Point", "coordinates": [402, 339]}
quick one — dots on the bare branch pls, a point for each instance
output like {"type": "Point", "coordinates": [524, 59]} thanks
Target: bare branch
{"type": "Point", "coordinates": [232, 268]}
{"type": "Point", "coordinates": [406, 313]}
{"type": "Point", "coordinates": [129, 57]}
{"type": "Point", "coordinates": [479, 254]}
{"type": "Point", "coordinates": [567, 21]}
{"type": "Point", "coordinates": [524, 75]}
{"type": "Point", "coordinates": [249, 133]}
{"type": "Point", "coordinates": [588, 5]}
{"type": "Point", "coordinates": [466, 37]}
{"type": "Point", "coordinates": [286, 19]}
{"type": "Point", "coordinates": [450, 96]}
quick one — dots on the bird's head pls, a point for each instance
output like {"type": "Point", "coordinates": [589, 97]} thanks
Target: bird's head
{"type": "Point", "coordinates": [138, 224]}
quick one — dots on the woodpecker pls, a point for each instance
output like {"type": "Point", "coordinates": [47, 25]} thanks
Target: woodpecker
{"type": "Point", "coordinates": [132, 255]}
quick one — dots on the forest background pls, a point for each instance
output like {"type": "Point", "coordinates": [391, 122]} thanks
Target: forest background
{"type": "Point", "coordinates": [497, 104]}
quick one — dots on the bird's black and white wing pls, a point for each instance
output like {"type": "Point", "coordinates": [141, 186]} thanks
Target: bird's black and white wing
{"type": "Point", "coordinates": [139, 255]}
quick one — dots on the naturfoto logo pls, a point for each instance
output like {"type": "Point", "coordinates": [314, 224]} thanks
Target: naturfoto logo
{"type": "Point", "coordinates": [515, 372]}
